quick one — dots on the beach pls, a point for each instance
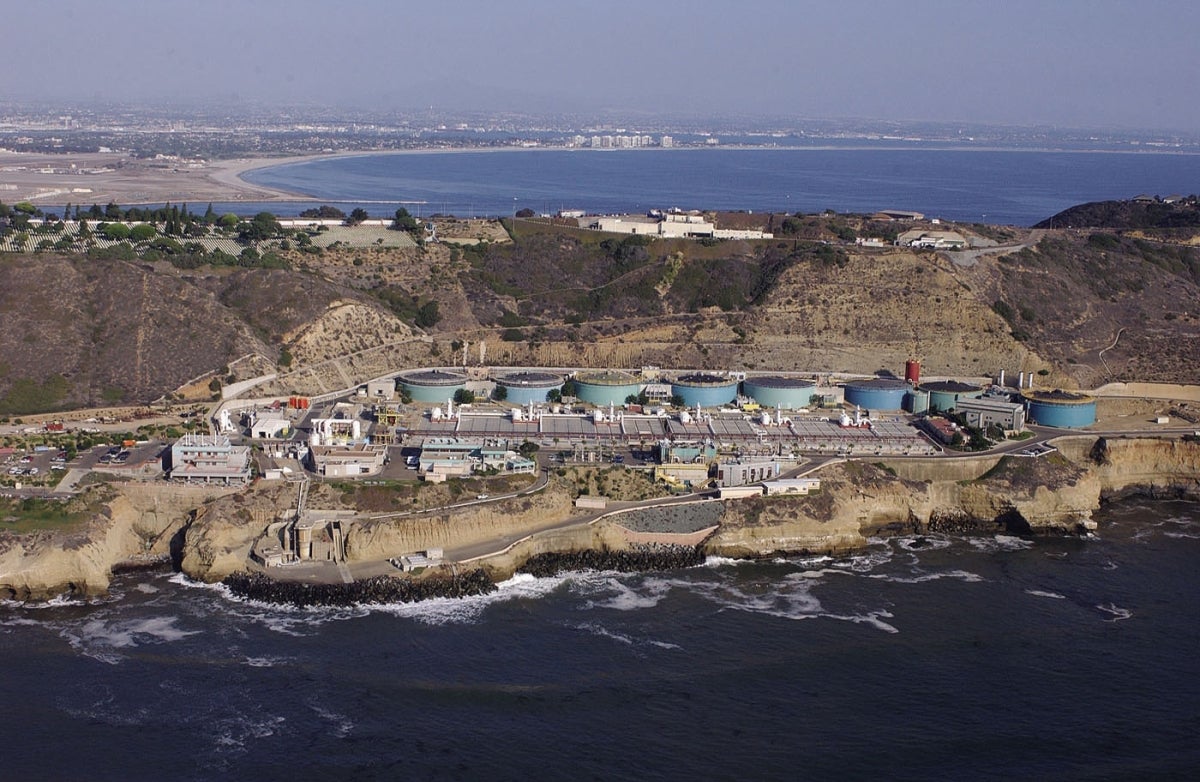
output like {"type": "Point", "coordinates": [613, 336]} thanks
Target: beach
{"type": "Point", "coordinates": [49, 180]}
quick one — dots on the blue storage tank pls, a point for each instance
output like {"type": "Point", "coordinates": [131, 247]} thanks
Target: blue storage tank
{"type": "Point", "coordinates": [880, 393]}
{"type": "Point", "coordinates": [432, 385]}
{"type": "Point", "coordinates": [916, 401]}
{"type": "Point", "coordinates": [605, 388]}
{"type": "Point", "coordinates": [526, 387]}
{"type": "Point", "coordinates": [1067, 409]}
{"type": "Point", "coordinates": [791, 393]}
{"type": "Point", "coordinates": [705, 389]}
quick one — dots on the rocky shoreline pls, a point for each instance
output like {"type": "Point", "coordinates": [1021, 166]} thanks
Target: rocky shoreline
{"type": "Point", "coordinates": [635, 560]}
{"type": "Point", "coordinates": [378, 590]}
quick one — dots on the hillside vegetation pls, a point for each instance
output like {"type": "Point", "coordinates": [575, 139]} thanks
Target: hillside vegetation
{"type": "Point", "coordinates": [1084, 306]}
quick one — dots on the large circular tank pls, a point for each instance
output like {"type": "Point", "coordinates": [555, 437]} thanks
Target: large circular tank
{"type": "Point", "coordinates": [606, 388]}
{"type": "Point", "coordinates": [1060, 408]}
{"type": "Point", "coordinates": [704, 389]}
{"type": "Point", "coordinates": [431, 385]}
{"type": "Point", "coordinates": [791, 393]}
{"type": "Point", "coordinates": [526, 387]}
{"type": "Point", "coordinates": [944, 394]}
{"type": "Point", "coordinates": [916, 401]}
{"type": "Point", "coordinates": [880, 393]}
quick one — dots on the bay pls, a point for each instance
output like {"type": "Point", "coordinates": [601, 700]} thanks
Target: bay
{"type": "Point", "coordinates": [1018, 187]}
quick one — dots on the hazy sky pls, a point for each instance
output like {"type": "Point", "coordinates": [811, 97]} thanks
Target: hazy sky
{"type": "Point", "coordinates": [1080, 63]}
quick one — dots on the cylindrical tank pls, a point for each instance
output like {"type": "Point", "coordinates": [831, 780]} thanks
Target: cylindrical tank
{"type": "Point", "coordinates": [704, 389]}
{"type": "Point", "coordinates": [916, 401]}
{"type": "Point", "coordinates": [433, 385]}
{"type": "Point", "coordinates": [1060, 408]}
{"type": "Point", "coordinates": [791, 393]}
{"type": "Point", "coordinates": [879, 393]}
{"type": "Point", "coordinates": [606, 388]}
{"type": "Point", "coordinates": [944, 394]}
{"type": "Point", "coordinates": [912, 371]}
{"type": "Point", "coordinates": [526, 387]}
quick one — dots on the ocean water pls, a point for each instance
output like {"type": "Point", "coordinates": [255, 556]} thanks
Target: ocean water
{"type": "Point", "coordinates": [1017, 187]}
{"type": "Point", "coordinates": [918, 658]}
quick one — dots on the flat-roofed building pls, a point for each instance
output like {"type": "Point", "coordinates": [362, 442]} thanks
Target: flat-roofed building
{"type": "Point", "coordinates": [792, 486]}
{"type": "Point", "coordinates": [983, 412]}
{"type": "Point", "coordinates": [203, 458]}
{"type": "Point", "coordinates": [347, 461]}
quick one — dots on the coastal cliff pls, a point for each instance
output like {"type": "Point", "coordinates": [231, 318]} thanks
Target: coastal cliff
{"type": "Point", "coordinates": [210, 535]}
{"type": "Point", "coordinates": [128, 525]}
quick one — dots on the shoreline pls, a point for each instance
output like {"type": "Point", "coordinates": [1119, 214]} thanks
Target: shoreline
{"type": "Point", "coordinates": [53, 180]}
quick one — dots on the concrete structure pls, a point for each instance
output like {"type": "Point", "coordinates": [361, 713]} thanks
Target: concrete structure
{"type": "Point", "coordinates": [526, 387]}
{"type": "Point", "coordinates": [381, 389]}
{"type": "Point", "coordinates": [270, 428]}
{"type": "Point", "coordinates": [741, 473]}
{"type": "Point", "coordinates": [1060, 408]}
{"type": "Point", "coordinates": [876, 394]}
{"type": "Point", "coordinates": [986, 411]}
{"type": "Point", "coordinates": [932, 240]}
{"type": "Point", "coordinates": [202, 458]}
{"type": "Point", "coordinates": [606, 388]}
{"type": "Point", "coordinates": [916, 401]}
{"type": "Point", "coordinates": [940, 429]}
{"type": "Point", "coordinates": [792, 486]}
{"type": "Point", "coordinates": [790, 393]}
{"type": "Point", "coordinates": [705, 390]}
{"type": "Point", "coordinates": [349, 461]}
{"type": "Point", "coordinates": [944, 394]}
{"type": "Point", "coordinates": [434, 385]}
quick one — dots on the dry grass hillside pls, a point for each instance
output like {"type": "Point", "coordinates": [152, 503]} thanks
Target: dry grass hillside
{"type": "Point", "coordinates": [1087, 306]}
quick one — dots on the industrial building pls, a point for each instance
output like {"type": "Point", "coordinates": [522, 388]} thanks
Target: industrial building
{"type": "Point", "coordinates": [202, 458]}
{"type": "Point", "coordinates": [270, 428]}
{"type": "Point", "coordinates": [945, 394]}
{"type": "Point", "coordinates": [432, 385]}
{"type": "Point", "coordinates": [606, 388]}
{"type": "Point", "coordinates": [880, 393]}
{"type": "Point", "coordinates": [704, 390]}
{"type": "Point", "coordinates": [525, 387]}
{"type": "Point", "coordinates": [1060, 408]}
{"type": "Point", "coordinates": [789, 393]}
{"type": "Point", "coordinates": [987, 411]}
{"type": "Point", "coordinates": [381, 389]}
{"type": "Point", "coordinates": [931, 240]}
{"type": "Point", "coordinates": [347, 461]}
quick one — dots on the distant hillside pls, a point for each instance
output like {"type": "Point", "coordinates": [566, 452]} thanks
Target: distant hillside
{"type": "Point", "coordinates": [1082, 307]}
{"type": "Point", "coordinates": [1129, 215]}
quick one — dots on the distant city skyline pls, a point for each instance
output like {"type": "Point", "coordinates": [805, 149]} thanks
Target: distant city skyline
{"type": "Point", "coordinates": [1104, 64]}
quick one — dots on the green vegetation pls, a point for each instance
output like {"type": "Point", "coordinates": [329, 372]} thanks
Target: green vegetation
{"type": "Point", "coordinates": [30, 396]}
{"type": "Point", "coordinates": [34, 514]}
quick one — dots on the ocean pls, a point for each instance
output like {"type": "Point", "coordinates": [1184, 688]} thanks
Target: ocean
{"type": "Point", "coordinates": [940, 657]}
{"type": "Point", "coordinates": [1014, 187]}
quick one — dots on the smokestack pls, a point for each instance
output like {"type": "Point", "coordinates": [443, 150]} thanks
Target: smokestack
{"type": "Point", "coordinates": [1001, 383]}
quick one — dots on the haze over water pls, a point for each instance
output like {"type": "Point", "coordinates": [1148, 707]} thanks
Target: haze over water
{"type": "Point", "coordinates": [1017, 187]}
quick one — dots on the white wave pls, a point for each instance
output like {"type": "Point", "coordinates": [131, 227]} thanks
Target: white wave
{"type": "Point", "coordinates": [342, 725]}
{"type": "Point", "coordinates": [149, 589]}
{"type": "Point", "coordinates": [101, 639]}
{"type": "Point", "coordinates": [233, 734]}
{"type": "Point", "coordinates": [923, 543]}
{"type": "Point", "coordinates": [964, 575]}
{"type": "Point", "coordinates": [999, 543]}
{"type": "Point", "coordinates": [1043, 593]}
{"type": "Point", "coordinates": [863, 563]}
{"type": "Point", "coordinates": [467, 610]}
{"type": "Point", "coordinates": [712, 561]}
{"type": "Point", "coordinates": [267, 661]}
{"type": "Point", "coordinates": [648, 593]}
{"type": "Point", "coordinates": [600, 630]}
{"type": "Point", "coordinates": [1117, 613]}
{"type": "Point", "coordinates": [1178, 535]}
{"type": "Point", "coordinates": [872, 618]}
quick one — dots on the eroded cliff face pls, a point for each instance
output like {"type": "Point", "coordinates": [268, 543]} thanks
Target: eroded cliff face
{"type": "Point", "coordinates": [383, 538]}
{"type": "Point", "coordinates": [130, 523]}
{"type": "Point", "coordinates": [221, 534]}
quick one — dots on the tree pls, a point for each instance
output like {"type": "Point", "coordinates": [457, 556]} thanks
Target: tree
{"type": "Point", "coordinates": [405, 222]}
{"type": "Point", "coordinates": [500, 393]}
{"type": "Point", "coordinates": [528, 448]}
{"type": "Point", "coordinates": [554, 396]}
{"type": "Point", "coordinates": [357, 216]}
{"type": "Point", "coordinates": [526, 213]}
{"type": "Point", "coordinates": [210, 217]}
{"type": "Point", "coordinates": [142, 232]}
{"type": "Point", "coordinates": [112, 211]}
{"type": "Point", "coordinates": [464, 397]}
{"type": "Point", "coordinates": [677, 400]}
{"type": "Point", "coordinates": [114, 231]}
{"type": "Point", "coordinates": [228, 220]}
{"type": "Point", "coordinates": [428, 315]}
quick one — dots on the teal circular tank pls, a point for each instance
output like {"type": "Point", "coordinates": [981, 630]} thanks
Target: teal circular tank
{"type": "Point", "coordinates": [790, 393]}
{"type": "Point", "coordinates": [704, 389]}
{"type": "Point", "coordinates": [606, 388]}
{"type": "Point", "coordinates": [944, 394]}
{"type": "Point", "coordinates": [432, 385]}
{"type": "Point", "coordinates": [1065, 409]}
{"type": "Point", "coordinates": [878, 393]}
{"type": "Point", "coordinates": [525, 387]}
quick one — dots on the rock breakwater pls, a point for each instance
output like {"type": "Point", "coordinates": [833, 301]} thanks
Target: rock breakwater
{"type": "Point", "coordinates": [378, 590]}
{"type": "Point", "coordinates": [633, 560]}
